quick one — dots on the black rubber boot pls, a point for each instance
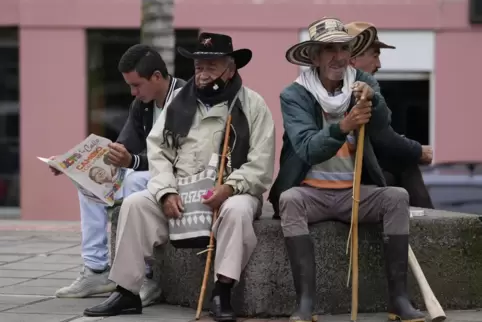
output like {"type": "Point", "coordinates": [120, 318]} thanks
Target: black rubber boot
{"type": "Point", "coordinates": [396, 255]}
{"type": "Point", "coordinates": [302, 258]}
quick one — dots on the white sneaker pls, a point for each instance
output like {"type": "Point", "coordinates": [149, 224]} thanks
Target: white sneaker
{"type": "Point", "coordinates": [150, 292]}
{"type": "Point", "coordinates": [88, 283]}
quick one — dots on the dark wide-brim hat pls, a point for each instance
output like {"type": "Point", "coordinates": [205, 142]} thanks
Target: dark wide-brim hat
{"type": "Point", "coordinates": [325, 31]}
{"type": "Point", "coordinates": [212, 46]}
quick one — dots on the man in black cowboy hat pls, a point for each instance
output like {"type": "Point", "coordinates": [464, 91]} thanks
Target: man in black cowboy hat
{"type": "Point", "coordinates": [322, 112]}
{"type": "Point", "coordinates": [181, 144]}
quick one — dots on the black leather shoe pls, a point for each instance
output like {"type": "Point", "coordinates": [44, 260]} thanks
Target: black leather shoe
{"type": "Point", "coordinates": [221, 309]}
{"type": "Point", "coordinates": [119, 302]}
{"type": "Point", "coordinates": [396, 255]}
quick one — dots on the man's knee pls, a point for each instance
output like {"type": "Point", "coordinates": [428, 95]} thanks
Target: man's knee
{"type": "Point", "coordinates": [395, 196]}
{"type": "Point", "coordinates": [136, 202]}
{"type": "Point", "coordinates": [291, 198]}
{"type": "Point", "coordinates": [396, 208]}
{"type": "Point", "coordinates": [236, 211]}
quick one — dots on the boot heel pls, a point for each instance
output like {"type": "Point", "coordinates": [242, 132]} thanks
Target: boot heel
{"type": "Point", "coordinates": [394, 317]}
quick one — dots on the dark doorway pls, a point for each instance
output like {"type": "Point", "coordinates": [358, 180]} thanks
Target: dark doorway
{"type": "Point", "coordinates": [409, 101]}
{"type": "Point", "coordinates": [109, 97]}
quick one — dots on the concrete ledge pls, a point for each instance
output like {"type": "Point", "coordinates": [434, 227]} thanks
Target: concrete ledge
{"type": "Point", "coordinates": [448, 247]}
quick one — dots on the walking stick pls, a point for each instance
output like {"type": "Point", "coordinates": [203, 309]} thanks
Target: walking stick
{"type": "Point", "coordinates": [353, 234]}
{"type": "Point", "coordinates": [215, 215]}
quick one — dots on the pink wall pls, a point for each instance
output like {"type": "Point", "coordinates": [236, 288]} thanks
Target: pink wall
{"type": "Point", "coordinates": [53, 117]}
{"type": "Point", "coordinates": [458, 106]}
{"type": "Point", "coordinates": [53, 71]}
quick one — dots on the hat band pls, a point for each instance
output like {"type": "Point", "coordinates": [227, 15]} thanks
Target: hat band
{"type": "Point", "coordinates": [208, 52]}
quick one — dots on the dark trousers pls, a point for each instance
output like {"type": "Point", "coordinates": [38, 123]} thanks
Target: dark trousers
{"type": "Point", "coordinates": [410, 178]}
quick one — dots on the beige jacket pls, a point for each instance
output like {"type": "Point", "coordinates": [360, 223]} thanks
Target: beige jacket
{"type": "Point", "coordinates": [204, 138]}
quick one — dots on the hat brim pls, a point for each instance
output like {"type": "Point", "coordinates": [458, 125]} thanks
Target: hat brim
{"type": "Point", "coordinates": [241, 56]}
{"type": "Point", "coordinates": [380, 44]}
{"type": "Point", "coordinates": [299, 53]}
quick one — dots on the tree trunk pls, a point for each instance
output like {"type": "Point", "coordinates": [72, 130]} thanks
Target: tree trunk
{"type": "Point", "coordinates": [157, 29]}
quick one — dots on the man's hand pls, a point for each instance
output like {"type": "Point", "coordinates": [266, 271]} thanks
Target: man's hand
{"type": "Point", "coordinates": [359, 114]}
{"type": "Point", "coordinates": [119, 156]}
{"type": "Point", "coordinates": [427, 154]}
{"type": "Point", "coordinates": [54, 171]}
{"type": "Point", "coordinates": [362, 90]}
{"type": "Point", "coordinates": [220, 194]}
{"type": "Point", "coordinates": [172, 206]}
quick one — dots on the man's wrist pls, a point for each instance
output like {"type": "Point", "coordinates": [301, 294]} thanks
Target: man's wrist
{"type": "Point", "coordinates": [230, 189]}
{"type": "Point", "coordinates": [232, 185]}
{"type": "Point", "coordinates": [337, 131]}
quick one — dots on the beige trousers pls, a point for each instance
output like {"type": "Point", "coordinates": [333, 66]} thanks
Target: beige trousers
{"type": "Point", "coordinates": [142, 226]}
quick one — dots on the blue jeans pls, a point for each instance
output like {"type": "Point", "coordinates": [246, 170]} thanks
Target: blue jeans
{"type": "Point", "coordinates": [94, 220]}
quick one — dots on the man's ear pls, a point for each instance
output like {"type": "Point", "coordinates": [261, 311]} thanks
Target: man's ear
{"type": "Point", "coordinates": [352, 61]}
{"type": "Point", "coordinates": [157, 75]}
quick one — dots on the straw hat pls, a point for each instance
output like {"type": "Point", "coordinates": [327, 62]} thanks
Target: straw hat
{"type": "Point", "coordinates": [329, 30]}
{"type": "Point", "coordinates": [357, 27]}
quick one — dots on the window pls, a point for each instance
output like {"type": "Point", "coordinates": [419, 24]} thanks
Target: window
{"type": "Point", "coordinates": [108, 95]}
{"type": "Point", "coordinates": [408, 97]}
{"type": "Point", "coordinates": [9, 120]}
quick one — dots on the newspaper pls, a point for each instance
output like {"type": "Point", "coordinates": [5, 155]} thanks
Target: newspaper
{"type": "Point", "coordinates": [89, 169]}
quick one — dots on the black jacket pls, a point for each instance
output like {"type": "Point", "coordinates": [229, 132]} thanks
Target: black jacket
{"type": "Point", "coordinates": [394, 151]}
{"type": "Point", "coordinates": [138, 125]}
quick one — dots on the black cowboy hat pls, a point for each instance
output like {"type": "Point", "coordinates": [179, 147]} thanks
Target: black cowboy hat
{"type": "Point", "coordinates": [211, 46]}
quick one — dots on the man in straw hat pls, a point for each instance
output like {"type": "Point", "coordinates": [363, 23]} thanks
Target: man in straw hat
{"type": "Point", "coordinates": [182, 144]}
{"type": "Point", "coordinates": [322, 111]}
{"type": "Point", "coordinates": [399, 157]}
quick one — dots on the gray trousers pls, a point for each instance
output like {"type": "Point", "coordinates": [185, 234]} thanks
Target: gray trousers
{"type": "Point", "coordinates": [301, 206]}
{"type": "Point", "coordinates": [142, 226]}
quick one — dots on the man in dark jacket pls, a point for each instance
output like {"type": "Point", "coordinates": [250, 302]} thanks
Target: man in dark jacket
{"type": "Point", "coordinates": [398, 156]}
{"type": "Point", "coordinates": [322, 112]}
{"type": "Point", "coordinates": [145, 72]}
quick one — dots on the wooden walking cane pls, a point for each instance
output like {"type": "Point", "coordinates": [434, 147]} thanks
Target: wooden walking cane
{"type": "Point", "coordinates": [215, 215]}
{"type": "Point", "coordinates": [353, 235]}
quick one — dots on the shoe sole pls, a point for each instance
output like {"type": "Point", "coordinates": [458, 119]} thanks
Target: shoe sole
{"type": "Point", "coordinates": [124, 312]}
{"type": "Point", "coordinates": [96, 291]}
{"type": "Point", "coordinates": [314, 318]}
{"type": "Point", "coordinates": [153, 299]}
{"type": "Point", "coordinates": [394, 317]}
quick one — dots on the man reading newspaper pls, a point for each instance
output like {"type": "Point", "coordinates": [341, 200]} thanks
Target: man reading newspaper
{"type": "Point", "coordinates": [145, 72]}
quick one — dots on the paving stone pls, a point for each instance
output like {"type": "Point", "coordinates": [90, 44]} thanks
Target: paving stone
{"type": "Point", "coordinates": [22, 273]}
{"type": "Point", "coordinates": [54, 259]}
{"type": "Point", "coordinates": [158, 313]}
{"type": "Point", "coordinates": [45, 282]}
{"type": "Point", "coordinates": [11, 281]}
{"type": "Point", "coordinates": [69, 251]}
{"type": "Point", "coordinates": [11, 302]}
{"type": "Point", "coordinates": [59, 306]}
{"type": "Point", "coordinates": [12, 258]}
{"type": "Point", "coordinates": [9, 317]}
{"type": "Point", "coordinates": [63, 275]}
{"type": "Point", "coordinates": [29, 290]}
{"type": "Point", "coordinates": [38, 266]}
{"type": "Point", "coordinates": [20, 300]}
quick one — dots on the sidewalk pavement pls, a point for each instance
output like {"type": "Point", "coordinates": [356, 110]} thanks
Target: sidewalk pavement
{"type": "Point", "coordinates": [36, 258]}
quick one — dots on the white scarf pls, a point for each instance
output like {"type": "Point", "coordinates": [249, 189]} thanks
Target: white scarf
{"type": "Point", "coordinates": [333, 105]}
